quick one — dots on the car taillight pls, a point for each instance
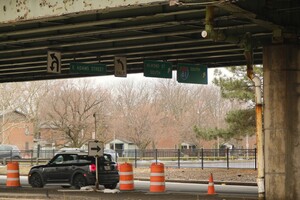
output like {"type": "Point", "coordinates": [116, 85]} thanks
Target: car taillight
{"type": "Point", "coordinates": [92, 168]}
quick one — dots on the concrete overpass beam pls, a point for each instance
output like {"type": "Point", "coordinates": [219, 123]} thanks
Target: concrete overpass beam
{"type": "Point", "coordinates": [282, 121]}
{"type": "Point", "coordinates": [23, 10]}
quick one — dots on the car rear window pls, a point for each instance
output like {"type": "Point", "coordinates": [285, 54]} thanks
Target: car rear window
{"type": "Point", "coordinates": [78, 158]}
{"type": "Point", "coordinates": [84, 161]}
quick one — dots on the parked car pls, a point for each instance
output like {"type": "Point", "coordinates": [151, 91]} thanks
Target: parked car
{"type": "Point", "coordinates": [70, 150]}
{"type": "Point", "coordinates": [113, 154]}
{"type": "Point", "coordinates": [9, 151]}
{"type": "Point", "coordinates": [75, 169]}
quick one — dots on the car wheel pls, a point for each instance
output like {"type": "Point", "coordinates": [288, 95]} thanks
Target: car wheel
{"type": "Point", "coordinates": [36, 181]}
{"type": "Point", "coordinates": [79, 181]}
{"type": "Point", "coordinates": [111, 186]}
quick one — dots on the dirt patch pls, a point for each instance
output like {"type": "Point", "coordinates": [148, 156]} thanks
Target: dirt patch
{"type": "Point", "coordinates": [196, 174]}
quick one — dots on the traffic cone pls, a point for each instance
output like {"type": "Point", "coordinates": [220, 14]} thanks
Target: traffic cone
{"type": "Point", "coordinates": [211, 187]}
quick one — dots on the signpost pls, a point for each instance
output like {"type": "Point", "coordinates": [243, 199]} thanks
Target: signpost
{"type": "Point", "coordinates": [54, 62]}
{"type": "Point", "coordinates": [191, 73]}
{"type": "Point", "coordinates": [120, 66]}
{"type": "Point", "coordinates": [96, 149]}
{"type": "Point", "coordinates": [85, 68]}
{"type": "Point", "coordinates": [157, 69]}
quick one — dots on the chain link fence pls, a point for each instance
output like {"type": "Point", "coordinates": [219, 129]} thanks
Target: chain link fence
{"type": "Point", "coordinates": [192, 158]}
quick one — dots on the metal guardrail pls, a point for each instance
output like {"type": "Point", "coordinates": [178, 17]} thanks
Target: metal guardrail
{"type": "Point", "coordinates": [200, 158]}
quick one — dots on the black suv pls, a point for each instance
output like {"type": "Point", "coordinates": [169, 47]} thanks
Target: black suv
{"type": "Point", "coordinates": [75, 169]}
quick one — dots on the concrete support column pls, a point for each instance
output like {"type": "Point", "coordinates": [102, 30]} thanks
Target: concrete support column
{"type": "Point", "coordinates": [282, 121]}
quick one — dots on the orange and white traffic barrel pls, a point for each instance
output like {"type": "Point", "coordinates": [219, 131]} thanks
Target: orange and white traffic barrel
{"type": "Point", "coordinates": [13, 176]}
{"type": "Point", "coordinates": [126, 177]}
{"type": "Point", "coordinates": [157, 177]}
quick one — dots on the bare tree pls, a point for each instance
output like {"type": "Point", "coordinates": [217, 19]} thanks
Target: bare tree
{"type": "Point", "coordinates": [135, 114]}
{"type": "Point", "coordinates": [176, 101]}
{"type": "Point", "coordinates": [71, 109]}
{"type": "Point", "coordinates": [186, 106]}
{"type": "Point", "coordinates": [173, 98]}
{"type": "Point", "coordinates": [209, 111]}
{"type": "Point", "coordinates": [33, 96]}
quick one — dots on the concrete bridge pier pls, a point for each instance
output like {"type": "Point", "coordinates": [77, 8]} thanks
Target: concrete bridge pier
{"type": "Point", "coordinates": [282, 121]}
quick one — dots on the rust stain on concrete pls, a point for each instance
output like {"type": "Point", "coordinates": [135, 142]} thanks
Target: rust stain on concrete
{"type": "Point", "coordinates": [22, 9]}
{"type": "Point", "coordinates": [45, 3]}
{"type": "Point", "coordinates": [19, 10]}
{"type": "Point", "coordinates": [86, 4]}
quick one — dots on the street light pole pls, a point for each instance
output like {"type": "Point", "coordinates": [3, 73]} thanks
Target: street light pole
{"type": "Point", "coordinates": [95, 116]}
{"type": "Point", "coordinates": [2, 129]}
{"type": "Point", "coordinates": [114, 141]}
{"type": "Point", "coordinates": [96, 157]}
{"type": "Point", "coordinates": [116, 153]}
{"type": "Point", "coordinates": [97, 174]}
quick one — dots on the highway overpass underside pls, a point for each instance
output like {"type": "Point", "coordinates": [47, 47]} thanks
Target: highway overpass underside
{"type": "Point", "coordinates": [95, 31]}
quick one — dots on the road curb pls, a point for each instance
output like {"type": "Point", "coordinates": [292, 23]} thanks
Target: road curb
{"type": "Point", "coordinates": [203, 182]}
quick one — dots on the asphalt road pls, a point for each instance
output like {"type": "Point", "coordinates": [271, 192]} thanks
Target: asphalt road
{"type": "Point", "coordinates": [173, 191]}
{"type": "Point", "coordinates": [57, 194]}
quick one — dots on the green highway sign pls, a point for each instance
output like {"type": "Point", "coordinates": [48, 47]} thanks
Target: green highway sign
{"type": "Point", "coordinates": [85, 68]}
{"type": "Point", "coordinates": [153, 68]}
{"type": "Point", "coordinates": [191, 73]}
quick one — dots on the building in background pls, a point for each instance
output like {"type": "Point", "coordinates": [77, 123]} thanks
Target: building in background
{"type": "Point", "coordinates": [16, 130]}
{"type": "Point", "coordinates": [123, 147]}
{"type": "Point", "coordinates": [50, 138]}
